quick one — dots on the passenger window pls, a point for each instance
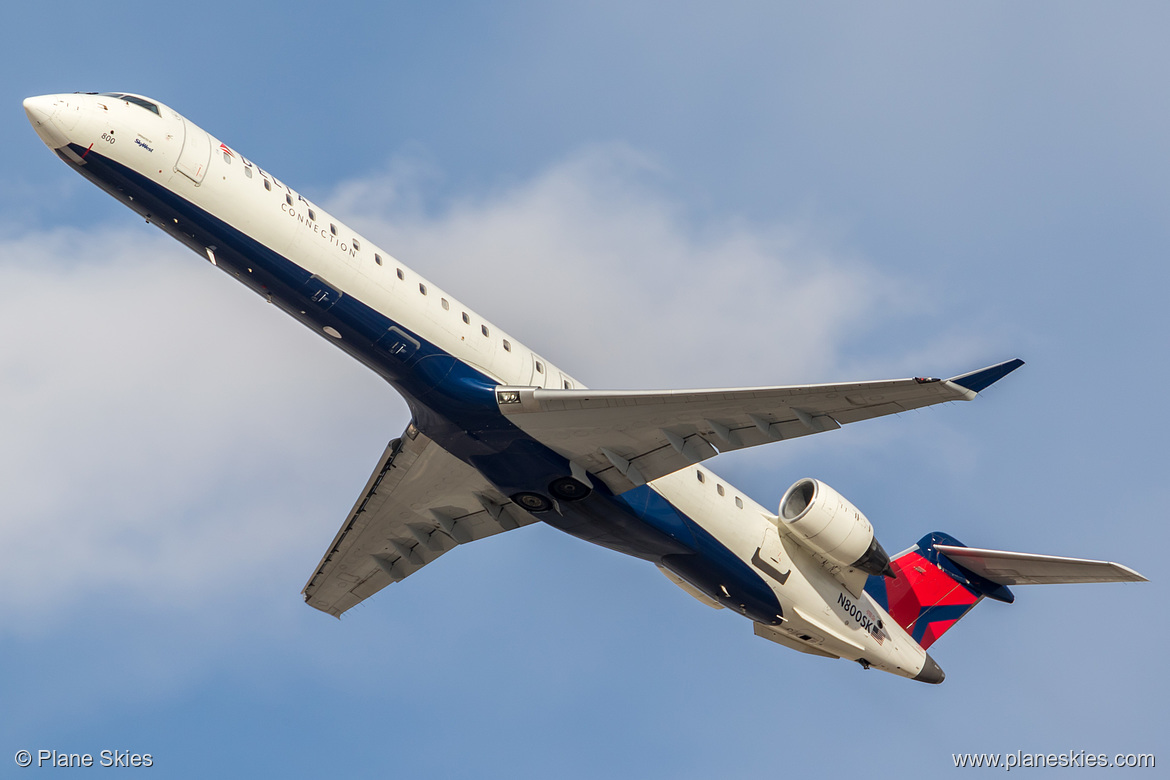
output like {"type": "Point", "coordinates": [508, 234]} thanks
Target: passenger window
{"type": "Point", "coordinates": [288, 199]}
{"type": "Point", "coordinates": [227, 158]}
{"type": "Point", "coordinates": [268, 185]}
{"type": "Point", "coordinates": [248, 171]}
{"type": "Point", "coordinates": [466, 319]}
{"type": "Point", "coordinates": [377, 258]}
{"type": "Point", "coordinates": [332, 228]}
{"type": "Point", "coordinates": [720, 489]}
{"type": "Point", "coordinates": [446, 306]}
{"type": "Point", "coordinates": [422, 288]}
{"type": "Point", "coordinates": [739, 502]}
{"type": "Point", "coordinates": [312, 215]}
{"type": "Point", "coordinates": [400, 274]}
{"type": "Point", "coordinates": [539, 367]}
{"type": "Point", "coordinates": [507, 346]}
{"type": "Point", "coordinates": [356, 246]}
{"type": "Point", "coordinates": [699, 474]}
{"type": "Point", "coordinates": [568, 385]}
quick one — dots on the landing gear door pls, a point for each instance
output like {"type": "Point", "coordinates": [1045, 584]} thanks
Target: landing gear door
{"type": "Point", "coordinates": [196, 154]}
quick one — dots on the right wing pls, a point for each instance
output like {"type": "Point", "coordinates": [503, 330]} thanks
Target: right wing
{"type": "Point", "coordinates": [420, 502]}
{"type": "Point", "coordinates": [630, 437]}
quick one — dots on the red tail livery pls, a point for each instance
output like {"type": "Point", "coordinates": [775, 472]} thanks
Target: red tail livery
{"type": "Point", "coordinates": [930, 592]}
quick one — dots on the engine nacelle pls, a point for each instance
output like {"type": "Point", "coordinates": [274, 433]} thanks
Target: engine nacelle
{"type": "Point", "coordinates": [822, 519]}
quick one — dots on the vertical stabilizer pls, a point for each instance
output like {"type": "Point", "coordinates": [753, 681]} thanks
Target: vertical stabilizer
{"type": "Point", "coordinates": [930, 593]}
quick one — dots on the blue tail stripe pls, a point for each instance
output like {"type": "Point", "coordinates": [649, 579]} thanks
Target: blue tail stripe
{"type": "Point", "coordinates": [930, 615]}
{"type": "Point", "coordinates": [969, 579]}
{"type": "Point", "coordinates": [977, 381]}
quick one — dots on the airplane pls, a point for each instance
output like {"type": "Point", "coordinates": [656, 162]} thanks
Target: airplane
{"type": "Point", "coordinates": [500, 437]}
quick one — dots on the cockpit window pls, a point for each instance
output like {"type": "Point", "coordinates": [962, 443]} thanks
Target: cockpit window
{"type": "Point", "coordinates": [132, 99]}
{"type": "Point", "coordinates": [140, 102]}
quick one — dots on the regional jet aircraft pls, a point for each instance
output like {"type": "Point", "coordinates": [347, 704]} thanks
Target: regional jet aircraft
{"type": "Point", "coordinates": [501, 437]}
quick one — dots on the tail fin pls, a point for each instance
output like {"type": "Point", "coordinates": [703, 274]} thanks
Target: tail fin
{"type": "Point", "coordinates": [930, 592]}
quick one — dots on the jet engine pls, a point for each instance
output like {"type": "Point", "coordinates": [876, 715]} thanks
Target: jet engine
{"type": "Point", "coordinates": [822, 520]}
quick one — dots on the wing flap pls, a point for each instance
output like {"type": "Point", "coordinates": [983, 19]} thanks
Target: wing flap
{"type": "Point", "coordinates": [1013, 568]}
{"type": "Point", "coordinates": [419, 503]}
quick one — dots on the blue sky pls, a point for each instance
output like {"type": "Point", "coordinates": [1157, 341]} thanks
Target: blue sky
{"type": "Point", "coordinates": [653, 195]}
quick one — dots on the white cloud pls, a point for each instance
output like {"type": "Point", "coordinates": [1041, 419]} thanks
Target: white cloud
{"type": "Point", "coordinates": [594, 265]}
{"type": "Point", "coordinates": [170, 439]}
{"type": "Point", "coordinates": [163, 426]}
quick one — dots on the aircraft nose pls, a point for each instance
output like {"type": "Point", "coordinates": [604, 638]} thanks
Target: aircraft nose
{"type": "Point", "coordinates": [39, 108]}
{"type": "Point", "coordinates": [40, 111]}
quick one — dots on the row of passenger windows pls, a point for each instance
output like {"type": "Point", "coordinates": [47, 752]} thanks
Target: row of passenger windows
{"type": "Point", "coordinates": [718, 487]}
{"type": "Point", "coordinates": [288, 198]}
{"type": "Point", "coordinates": [483, 328]}
{"type": "Point", "coordinates": [422, 288]}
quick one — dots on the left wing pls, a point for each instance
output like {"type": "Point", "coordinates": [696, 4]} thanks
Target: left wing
{"type": "Point", "coordinates": [420, 502]}
{"type": "Point", "coordinates": [628, 438]}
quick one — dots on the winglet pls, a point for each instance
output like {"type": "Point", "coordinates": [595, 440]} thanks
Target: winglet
{"type": "Point", "coordinates": [977, 381]}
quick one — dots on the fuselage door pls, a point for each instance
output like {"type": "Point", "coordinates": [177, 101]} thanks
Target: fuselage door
{"type": "Point", "coordinates": [196, 154]}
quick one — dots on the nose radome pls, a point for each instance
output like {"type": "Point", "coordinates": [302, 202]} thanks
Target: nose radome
{"type": "Point", "coordinates": [40, 111]}
{"type": "Point", "coordinates": [39, 108]}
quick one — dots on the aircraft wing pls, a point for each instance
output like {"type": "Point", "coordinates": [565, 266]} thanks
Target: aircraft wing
{"type": "Point", "coordinates": [1013, 568]}
{"type": "Point", "coordinates": [420, 502]}
{"type": "Point", "coordinates": [628, 438]}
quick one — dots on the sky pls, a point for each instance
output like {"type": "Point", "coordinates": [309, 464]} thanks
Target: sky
{"type": "Point", "coordinates": [652, 195]}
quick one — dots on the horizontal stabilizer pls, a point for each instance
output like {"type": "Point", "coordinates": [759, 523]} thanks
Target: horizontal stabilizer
{"type": "Point", "coordinates": [1013, 568]}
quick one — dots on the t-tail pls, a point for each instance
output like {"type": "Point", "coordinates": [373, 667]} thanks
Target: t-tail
{"type": "Point", "coordinates": [937, 581]}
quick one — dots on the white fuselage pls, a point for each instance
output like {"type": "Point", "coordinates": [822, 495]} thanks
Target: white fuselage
{"type": "Point", "coordinates": [214, 200]}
